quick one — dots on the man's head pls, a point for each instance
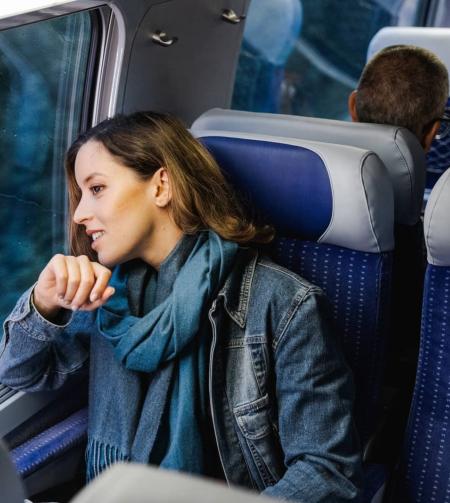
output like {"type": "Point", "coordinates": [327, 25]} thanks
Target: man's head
{"type": "Point", "coordinates": [402, 85]}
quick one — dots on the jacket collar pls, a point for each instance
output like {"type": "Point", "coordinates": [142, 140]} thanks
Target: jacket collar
{"type": "Point", "coordinates": [237, 287]}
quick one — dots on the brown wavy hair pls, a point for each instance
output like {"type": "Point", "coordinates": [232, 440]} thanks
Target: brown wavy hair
{"type": "Point", "coordinates": [202, 198]}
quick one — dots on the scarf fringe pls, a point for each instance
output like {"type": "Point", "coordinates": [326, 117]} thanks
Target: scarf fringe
{"type": "Point", "coordinates": [100, 456]}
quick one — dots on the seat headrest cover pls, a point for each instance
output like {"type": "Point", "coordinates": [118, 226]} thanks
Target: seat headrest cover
{"type": "Point", "coordinates": [332, 194]}
{"type": "Point", "coordinates": [435, 40]}
{"type": "Point", "coordinates": [398, 148]}
{"type": "Point", "coordinates": [436, 222]}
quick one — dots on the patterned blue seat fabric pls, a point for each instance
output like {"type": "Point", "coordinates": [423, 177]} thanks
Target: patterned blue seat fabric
{"type": "Point", "coordinates": [342, 244]}
{"type": "Point", "coordinates": [51, 443]}
{"type": "Point", "coordinates": [424, 469]}
{"type": "Point", "coordinates": [55, 433]}
{"type": "Point", "coordinates": [358, 286]}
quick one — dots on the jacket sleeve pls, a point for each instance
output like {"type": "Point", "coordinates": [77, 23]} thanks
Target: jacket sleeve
{"type": "Point", "coordinates": [36, 354]}
{"type": "Point", "coordinates": [314, 391]}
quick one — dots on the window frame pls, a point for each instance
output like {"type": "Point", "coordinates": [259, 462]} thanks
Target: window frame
{"type": "Point", "coordinates": [42, 11]}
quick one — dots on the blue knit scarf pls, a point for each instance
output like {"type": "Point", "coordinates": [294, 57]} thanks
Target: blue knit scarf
{"type": "Point", "coordinates": [175, 330]}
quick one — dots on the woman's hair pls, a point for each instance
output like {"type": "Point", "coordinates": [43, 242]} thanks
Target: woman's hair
{"type": "Point", "coordinates": [201, 197]}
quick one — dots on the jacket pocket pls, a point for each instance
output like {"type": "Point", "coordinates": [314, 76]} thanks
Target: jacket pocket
{"type": "Point", "coordinates": [253, 418]}
{"type": "Point", "coordinates": [263, 450]}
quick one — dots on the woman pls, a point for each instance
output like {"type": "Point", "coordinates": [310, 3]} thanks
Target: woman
{"type": "Point", "coordinates": [203, 356]}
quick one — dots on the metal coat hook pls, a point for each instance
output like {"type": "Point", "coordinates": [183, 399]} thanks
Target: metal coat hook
{"type": "Point", "coordinates": [161, 38]}
{"type": "Point", "coordinates": [230, 16]}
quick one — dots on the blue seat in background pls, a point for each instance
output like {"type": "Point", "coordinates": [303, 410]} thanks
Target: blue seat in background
{"type": "Point", "coordinates": [265, 50]}
{"type": "Point", "coordinates": [332, 207]}
{"type": "Point", "coordinates": [424, 469]}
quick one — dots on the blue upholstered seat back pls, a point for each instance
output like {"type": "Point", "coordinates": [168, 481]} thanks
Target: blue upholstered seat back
{"type": "Point", "coordinates": [358, 286]}
{"type": "Point", "coordinates": [332, 207]}
{"type": "Point", "coordinates": [424, 470]}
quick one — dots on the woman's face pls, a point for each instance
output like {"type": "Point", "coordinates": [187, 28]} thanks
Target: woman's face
{"type": "Point", "coordinates": [117, 208]}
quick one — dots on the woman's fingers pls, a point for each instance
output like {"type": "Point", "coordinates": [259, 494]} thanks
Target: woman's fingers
{"type": "Point", "coordinates": [50, 289]}
{"type": "Point", "coordinates": [91, 306]}
{"type": "Point", "coordinates": [86, 281]}
{"type": "Point", "coordinates": [102, 275]}
{"type": "Point", "coordinates": [93, 289]}
{"type": "Point", "coordinates": [60, 273]}
{"type": "Point", "coordinates": [72, 283]}
{"type": "Point", "coordinates": [73, 279]}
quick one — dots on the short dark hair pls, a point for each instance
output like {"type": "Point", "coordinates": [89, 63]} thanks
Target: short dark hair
{"type": "Point", "coordinates": [403, 85]}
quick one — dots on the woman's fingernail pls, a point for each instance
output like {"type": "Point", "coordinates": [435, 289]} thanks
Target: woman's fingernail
{"type": "Point", "coordinates": [93, 297]}
{"type": "Point", "coordinates": [74, 307]}
{"type": "Point", "coordinates": [61, 297]}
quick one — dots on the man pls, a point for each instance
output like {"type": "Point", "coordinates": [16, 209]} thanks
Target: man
{"type": "Point", "coordinates": [407, 86]}
{"type": "Point", "coordinates": [402, 85]}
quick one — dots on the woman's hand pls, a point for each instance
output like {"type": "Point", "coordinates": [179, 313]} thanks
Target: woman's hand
{"type": "Point", "coordinates": [71, 283]}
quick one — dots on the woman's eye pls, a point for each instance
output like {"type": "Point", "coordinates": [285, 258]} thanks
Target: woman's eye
{"type": "Point", "coordinates": [95, 189]}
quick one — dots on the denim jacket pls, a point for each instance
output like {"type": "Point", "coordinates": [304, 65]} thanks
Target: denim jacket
{"type": "Point", "coordinates": [280, 392]}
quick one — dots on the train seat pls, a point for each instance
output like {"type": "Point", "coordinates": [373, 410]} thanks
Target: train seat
{"type": "Point", "coordinates": [48, 447]}
{"type": "Point", "coordinates": [436, 40]}
{"type": "Point", "coordinates": [405, 161]}
{"type": "Point", "coordinates": [264, 53]}
{"type": "Point", "coordinates": [332, 208]}
{"type": "Point", "coordinates": [398, 148]}
{"type": "Point", "coordinates": [424, 468]}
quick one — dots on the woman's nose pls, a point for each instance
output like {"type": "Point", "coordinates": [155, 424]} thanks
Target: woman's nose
{"type": "Point", "coordinates": [81, 213]}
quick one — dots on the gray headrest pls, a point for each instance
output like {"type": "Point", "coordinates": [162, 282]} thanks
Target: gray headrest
{"type": "Point", "coordinates": [362, 216]}
{"type": "Point", "coordinates": [436, 223]}
{"type": "Point", "coordinates": [11, 489]}
{"type": "Point", "coordinates": [434, 39]}
{"type": "Point", "coordinates": [398, 148]}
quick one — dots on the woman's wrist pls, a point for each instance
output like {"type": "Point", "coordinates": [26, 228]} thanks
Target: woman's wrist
{"type": "Point", "coordinates": [49, 312]}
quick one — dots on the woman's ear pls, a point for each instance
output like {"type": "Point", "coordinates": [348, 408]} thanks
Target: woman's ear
{"type": "Point", "coordinates": [352, 106]}
{"type": "Point", "coordinates": [161, 189]}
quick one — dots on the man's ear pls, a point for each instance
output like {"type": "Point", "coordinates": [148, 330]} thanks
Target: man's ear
{"type": "Point", "coordinates": [352, 106]}
{"type": "Point", "coordinates": [428, 137]}
{"type": "Point", "coordinates": [161, 189]}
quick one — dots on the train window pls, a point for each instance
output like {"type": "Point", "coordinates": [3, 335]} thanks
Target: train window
{"type": "Point", "coordinates": [43, 67]}
{"type": "Point", "coordinates": [303, 57]}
